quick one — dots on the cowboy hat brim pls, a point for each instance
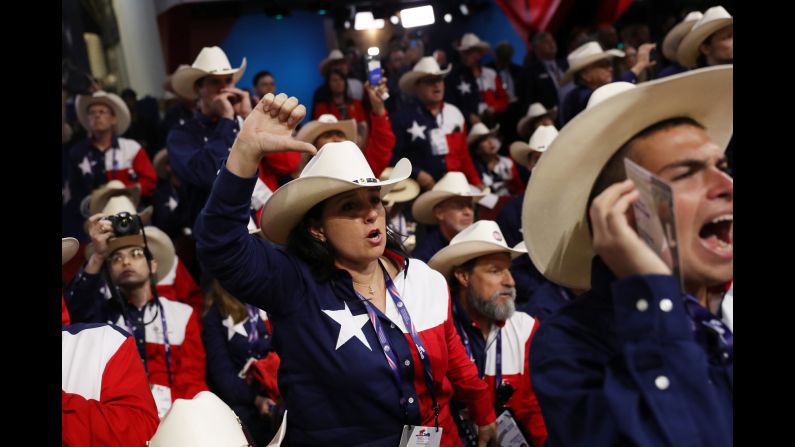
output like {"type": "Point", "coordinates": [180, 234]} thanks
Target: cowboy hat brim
{"type": "Point", "coordinates": [687, 53]}
{"type": "Point", "coordinates": [557, 237]}
{"type": "Point", "coordinates": [159, 243]}
{"type": "Point", "coordinates": [476, 139]}
{"type": "Point", "coordinates": [409, 79]}
{"type": "Point", "coordinates": [120, 110]}
{"type": "Point", "coordinates": [520, 150]}
{"type": "Point", "coordinates": [422, 210]}
{"type": "Point", "coordinates": [452, 255]}
{"type": "Point", "coordinates": [674, 38]}
{"type": "Point", "coordinates": [100, 198]}
{"type": "Point", "coordinates": [182, 81]}
{"type": "Point", "coordinates": [288, 204]}
{"type": "Point", "coordinates": [523, 126]}
{"type": "Point", "coordinates": [586, 61]}
{"type": "Point", "coordinates": [314, 129]}
{"type": "Point", "coordinates": [409, 189]}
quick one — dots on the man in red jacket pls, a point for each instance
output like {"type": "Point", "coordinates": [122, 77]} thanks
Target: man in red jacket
{"type": "Point", "coordinates": [477, 264]}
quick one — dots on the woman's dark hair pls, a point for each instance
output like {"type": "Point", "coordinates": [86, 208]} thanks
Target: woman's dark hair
{"type": "Point", "coordinates": [325, 95]}
{"type": "Point", "coordinates": [318, 254]}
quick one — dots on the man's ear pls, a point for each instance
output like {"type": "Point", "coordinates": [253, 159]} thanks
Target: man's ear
{"type": "Point", "coordinates": [153, 265]}
{"type": "Point", "coordinates": [462, 276]}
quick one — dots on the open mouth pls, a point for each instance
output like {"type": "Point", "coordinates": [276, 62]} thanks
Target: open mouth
{"type": "Point", "coordinates": [375, 236]}
{"type": "Point", "coordinates": [717, 234]}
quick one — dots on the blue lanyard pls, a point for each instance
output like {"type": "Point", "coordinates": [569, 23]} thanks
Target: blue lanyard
{"type": "Point", "coordinates": [704, 323]}
{"type": "Point", "coordinates": [391, 357]}
{"type": "Point", "coordinates": [498, 361]}
{"type": "Point", "coordinates": [253, 319]}
{"type": "Point", "coordinates": [165, 338]}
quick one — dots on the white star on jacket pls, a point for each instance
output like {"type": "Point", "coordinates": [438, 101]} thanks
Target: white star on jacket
{"type": "Point", "coordinates": [350, 325]}
{"type": "Point", "coordinates": [231, 327]}
{"type": "Point", "coordinates": [464, 87]}
{"type": "Point", "coordinates": [416, 131]}
{"type": "Point", "coordinates": [172, 203]}
{"type": "Point", "coordinates": [85, 166]}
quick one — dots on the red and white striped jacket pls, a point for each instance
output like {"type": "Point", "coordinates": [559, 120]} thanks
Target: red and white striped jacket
{"type": "Point", "coordinates": [105, 398]}
{"type": "Point", "coordinates": [187, 351]}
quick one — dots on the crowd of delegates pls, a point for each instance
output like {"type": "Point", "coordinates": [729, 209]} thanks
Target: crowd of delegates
{"type": "Point", "coordinates": [455, 257]}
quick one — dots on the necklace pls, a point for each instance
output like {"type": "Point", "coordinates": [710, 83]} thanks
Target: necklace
{"type": "Point", "coordinates": [369, 286]}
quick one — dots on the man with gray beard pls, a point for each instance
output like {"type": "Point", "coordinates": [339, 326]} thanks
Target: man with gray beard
{"type": "Point", "coordinates": [497, 338]}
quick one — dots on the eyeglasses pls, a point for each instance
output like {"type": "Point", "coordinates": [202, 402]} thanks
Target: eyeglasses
{"type": "Point", "coordinates": [135, 254]}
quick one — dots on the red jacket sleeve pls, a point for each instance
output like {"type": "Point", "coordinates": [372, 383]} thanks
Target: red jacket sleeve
{"type": "Point", "coordinates": [189, 378]}
{"type": "Point", "coordinates": [463, 375]}
{"type": "Point", "coordinates": [458, 158]}
{"type": "Point", "coordinates": [276, 164]}
{"type": "Point", "coordinates": [146, 173]}
{"type": "Point", "coordinates": [380, 143]}
{"type": "Point", "coordinates": [496, 99]}
{"type": "Point", "coordinates": [125, 415]}
{"type": "Point", "coordinates": [323, 108]}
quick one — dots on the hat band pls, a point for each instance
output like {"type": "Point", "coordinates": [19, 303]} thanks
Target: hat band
{"type": "Point", "coordinates": [365, 180]}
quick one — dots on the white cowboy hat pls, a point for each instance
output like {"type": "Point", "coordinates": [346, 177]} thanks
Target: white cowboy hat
{"type": "Point", "coordinates": [116, 104]}
{"type": "Point", "coordinates": [333, 56]}
{"type": "Point", "coordinates": [453, 184]}
{"type": "Point", "coordinates": [159, 162]}
{"type": "Point", "coordinates": [210, 61]}
{"type": "Point", "coordinates": [324, 123]}
{"type": "Point", "coordinates": [535, 111]}
{"type": "Point", "coordinates": [470, 41]}
{"type": "Point", "coordinates": [204, 421]}
{"type": "Point", "coordinates": [677, 33]}
{"type": "Point", "coordinates": [159, 243]}
{"type": "Point", "coordinates": [479, 132]}
{"type": "Point", "coordinates": [427, 66]}
{"type": "Point", "coordinates": [713, 20]}
{"type": "Point", "coordinates": [336, 168]}
{"type": "Point", "coordinates": [554, 214]}
{"type": "Point", "coordinates": [69, 247]}
{"type": "Point", "coordinates": [404, 191]}
{"type": "Point", "coordinates": [479, 239]}
{"type": "Point", "coordinates": [539, 142]}
{"type": "Point", "coordinates": [114, 188]}
{"type": "Point", "coordinates": [585, 55]}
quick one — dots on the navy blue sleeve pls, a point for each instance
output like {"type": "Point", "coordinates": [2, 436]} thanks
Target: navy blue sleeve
{"type": "Point", "coordinates": [84, 298]}
{"type": "Point", "coordinates": [652, 389]}
{"type": "Point", "coordinates": [221, 369]}
{"type": "Point", "coordinates": [252, 270]}
{"type": "Point", "coordinates": [629, 76]}
{"type": "Point", "coordinates": [196, 159]}
{"type": "Point", "coordinates": [400, 150]}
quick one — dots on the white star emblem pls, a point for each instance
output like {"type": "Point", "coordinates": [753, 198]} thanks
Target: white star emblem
{"type": "Point", "coordinates": [464, 87]}
{"type": "Point", "coordinates": [350, 325]}
{"type": "Point", "coordinates": [416, 131]}
{"type": "Point", "coordinates": [66, 193]}
{"type": "Point", "coordinates": [232, 328]}
{"type": "Point", "coordinates": [85, 166]}
{"type": "Point", "coordinates": [172, 203]}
